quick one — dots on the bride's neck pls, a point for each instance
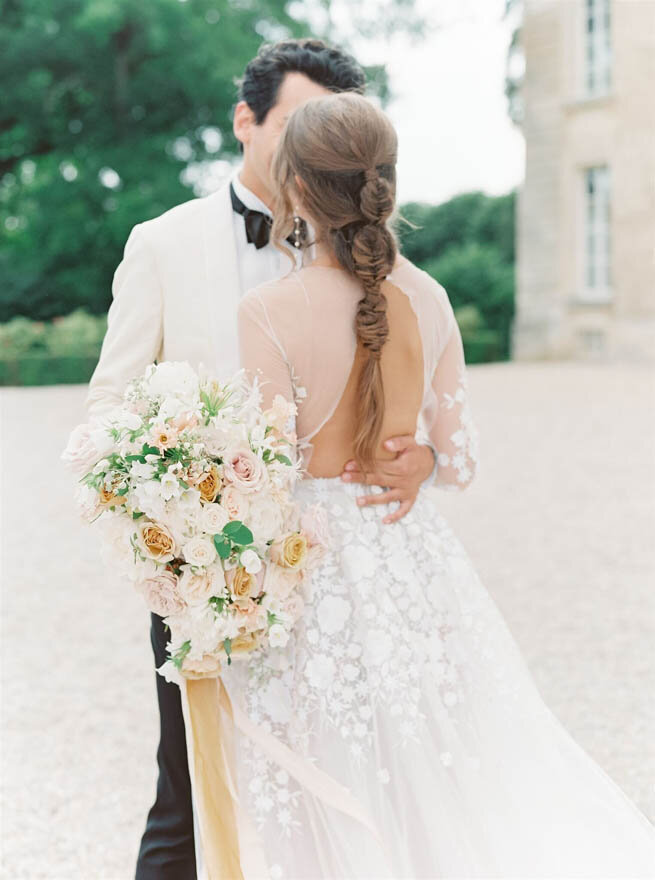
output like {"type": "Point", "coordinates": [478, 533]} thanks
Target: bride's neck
{"type": "Point", "coordinates": [324, 256]}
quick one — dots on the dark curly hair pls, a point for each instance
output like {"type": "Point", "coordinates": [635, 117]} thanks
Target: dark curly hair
{"type": "Point", "coordinates": [331, 68]}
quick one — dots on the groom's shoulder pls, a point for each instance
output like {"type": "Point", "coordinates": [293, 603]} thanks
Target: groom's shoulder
{"type": "Point", "coordinates": [183, 218]}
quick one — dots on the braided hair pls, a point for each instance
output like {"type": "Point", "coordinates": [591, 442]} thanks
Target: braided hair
{"type": "Point", "coordinates": [344, 150]}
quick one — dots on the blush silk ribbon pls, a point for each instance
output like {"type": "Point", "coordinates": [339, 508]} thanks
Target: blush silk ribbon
{"type": "Point", "coordinates": [231, 848]}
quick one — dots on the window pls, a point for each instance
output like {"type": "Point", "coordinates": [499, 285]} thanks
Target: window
{"type": "Point", "coordinates": [598, 49]}
{"type": "Point", "coordinates": [597, 269]}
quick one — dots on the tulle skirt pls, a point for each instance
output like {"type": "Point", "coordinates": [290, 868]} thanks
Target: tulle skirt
{"type": "Point", "coordinates": [403, 685]}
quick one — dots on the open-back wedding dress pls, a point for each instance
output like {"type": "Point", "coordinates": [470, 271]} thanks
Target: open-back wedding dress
{"type": "Point", "coordinates": [401, 683]}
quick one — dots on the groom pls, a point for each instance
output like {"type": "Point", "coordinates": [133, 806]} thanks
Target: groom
{"type": "Point", "coordinates": [175, 297]}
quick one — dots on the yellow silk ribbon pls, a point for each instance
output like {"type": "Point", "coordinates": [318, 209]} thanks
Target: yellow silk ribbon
{"type": "Point", "coordinates": [231, 850]}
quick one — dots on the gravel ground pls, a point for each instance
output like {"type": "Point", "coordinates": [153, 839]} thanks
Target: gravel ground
{"type": "Point", "coordinates": [559, 523]}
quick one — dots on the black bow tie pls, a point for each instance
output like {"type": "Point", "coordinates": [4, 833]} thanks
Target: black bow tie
{"type": "Point", "coordinates": [258, 224]}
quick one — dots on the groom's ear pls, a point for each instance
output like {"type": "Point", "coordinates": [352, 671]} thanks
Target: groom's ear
{"type": "Point", "coordinates": [243, 121]}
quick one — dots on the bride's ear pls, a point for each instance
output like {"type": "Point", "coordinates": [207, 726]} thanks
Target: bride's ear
{"type": "Point", "coordinates": [299, 187]}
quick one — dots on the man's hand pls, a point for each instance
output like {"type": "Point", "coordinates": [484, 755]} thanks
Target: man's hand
{"type": "Point", "coordinates": [403, 475]}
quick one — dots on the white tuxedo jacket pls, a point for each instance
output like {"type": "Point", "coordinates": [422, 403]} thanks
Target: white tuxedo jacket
{"type": "Point", "coordinates": [175, 297]}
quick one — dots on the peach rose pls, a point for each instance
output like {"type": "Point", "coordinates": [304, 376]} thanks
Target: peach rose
{"type": "Point", "coordinates": [161, 593]}
{"type": "Point", "coordinates": [234, 503]}
{"type": "Point", "coordinates": [207, 666]}
{"type": "Point", "coordinates": [245, 470]}
{"type": "Point", "coordinates": [155, 541]}
{"type": "Point", "coordinates": [184, 420]}
{"type": "Point", "coordinates": [280, 582]}
{"type": "Point", "coordinates": [290, 552]}
{"type": "Point", "coordinates": [209, 483]}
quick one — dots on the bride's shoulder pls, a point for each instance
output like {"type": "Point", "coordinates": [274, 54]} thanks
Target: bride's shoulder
{"type": "Point", "coordinates": [418, 282]}
{"type": "Point", "coordinates": [271, 298]}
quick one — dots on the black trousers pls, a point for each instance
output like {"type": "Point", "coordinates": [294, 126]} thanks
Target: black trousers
{"type": "Point", "coordinates": [167, 846]}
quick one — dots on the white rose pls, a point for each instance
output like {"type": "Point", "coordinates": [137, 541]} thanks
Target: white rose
{"type": "Point", "coordinates": [250, 561]}
{"type": "Point", "coordinates": [213, 518]}
{"type": "Point", "coordinates": [265, 520]}
{"type": "Point", "coordinates": [277, 636]}
{"type": "Point", "coordinates": [86, 445]}
{"type": "Point", "coordinates": [198, 588]}
{"type": "Point", "coordinates": [172, 378]}
{"type": "Point", "coordinates": [199, 551]}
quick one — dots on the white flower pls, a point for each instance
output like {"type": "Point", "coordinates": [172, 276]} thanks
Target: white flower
{"type": "Point", "coordinates": [123, 418]}
{"type": "Point", "coordinates": [265, 520]}
{"type": "Point", "coordinates": [250, 561]}
{"type": "Point", "coordinates": [169, 486]}
{"type": "Point", "coordinates": [86, 444]}
{"type": "Point", "coordinates": [172, 378]}
{"type": "Point", "coordinates": [141, 471]}
{"type": "Point", "coordinates": [196, 588]}
{"type": "Point", "coordinates": [213, 518]}
{"type": "Point", "coordinates": [277, 636]}
{"type": "Point", "coordinates": [199, 551]}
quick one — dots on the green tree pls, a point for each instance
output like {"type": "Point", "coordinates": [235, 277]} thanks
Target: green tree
{"type": "Point", "coordinates": [106, 107]}
{"type": "Point", "coordinates": [476, 274]}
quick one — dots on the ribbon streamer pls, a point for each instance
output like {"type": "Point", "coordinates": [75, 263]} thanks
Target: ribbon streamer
{"type": "Point", "coordinates": [231, 849]}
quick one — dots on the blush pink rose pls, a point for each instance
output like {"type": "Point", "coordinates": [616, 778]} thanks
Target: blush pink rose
{"type": "Point", "coordinates": [161, 593]}
{"type": "Point", "coordinates": [244, 470]}
{"type": "Point", "coordinates": [234, 503]}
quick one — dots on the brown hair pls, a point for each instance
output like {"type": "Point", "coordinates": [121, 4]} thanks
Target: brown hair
{"type": "Point", "coordinates": [344, 150]}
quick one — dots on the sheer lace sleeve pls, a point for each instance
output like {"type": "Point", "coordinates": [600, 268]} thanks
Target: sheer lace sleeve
{"type": "Point", "coordinates": [261, 352]}
{"type": "Point", "coordinates": [447, 415]}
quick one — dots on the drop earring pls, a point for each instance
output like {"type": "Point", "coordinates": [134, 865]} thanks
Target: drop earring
{"type": "Point", "coordinates": [297, 229]}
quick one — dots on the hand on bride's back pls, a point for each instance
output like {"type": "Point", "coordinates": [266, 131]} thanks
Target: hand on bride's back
{"type": "Point", "coordinates": [403, 475]}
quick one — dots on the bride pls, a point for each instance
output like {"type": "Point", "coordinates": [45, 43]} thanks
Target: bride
{"type": "Point", "coordinates": [401, 684]}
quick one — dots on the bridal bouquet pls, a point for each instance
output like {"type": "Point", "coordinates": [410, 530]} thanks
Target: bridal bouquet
{"type": "Point", "coordinates": [193, 485]}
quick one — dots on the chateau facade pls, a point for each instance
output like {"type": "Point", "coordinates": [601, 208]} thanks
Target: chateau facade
{"type": "Point", "coordinates": [586, 210]}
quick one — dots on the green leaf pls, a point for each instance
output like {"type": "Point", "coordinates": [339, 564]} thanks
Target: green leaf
{"type": "Point", "coordinates": [135, 457]}
{"type": "Point", "coordinates": [284, 459]}
{"type": "Point", "coordinates": [150, 450]}
{"type": "Point", "coordinates": [222, 545]}
{"type": "Point", "coordinates": [137, 513]}
{"type": "Point", "coordinates": [227, 646]}
{"type": "Point", "coordinates": [238, 533]}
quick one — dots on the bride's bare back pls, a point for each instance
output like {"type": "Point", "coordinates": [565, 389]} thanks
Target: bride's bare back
{"type": "Point", "coordinates": [298, 334]}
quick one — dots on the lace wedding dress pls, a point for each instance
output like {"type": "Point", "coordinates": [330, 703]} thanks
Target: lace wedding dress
{"type": "Point", "coordinates": [402, 682]}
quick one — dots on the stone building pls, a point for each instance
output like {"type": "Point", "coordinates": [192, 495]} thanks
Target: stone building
{"type": "Point", "coordinates": [586, 211]}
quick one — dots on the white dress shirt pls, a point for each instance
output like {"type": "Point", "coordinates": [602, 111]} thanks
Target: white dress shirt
{"type": "Point", "coordinates": [257, 265]}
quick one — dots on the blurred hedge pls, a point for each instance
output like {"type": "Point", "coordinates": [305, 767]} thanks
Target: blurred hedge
{"type": "Point", "coordinates": [66, 350]}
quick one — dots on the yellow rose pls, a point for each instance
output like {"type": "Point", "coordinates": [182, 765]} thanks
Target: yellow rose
{"type": "Point", "coordinates": [290, 552]}
{"type": "Point", "coordinates": [242, 584]}
{"type": "Point", "coordinates": [107, 498]}
{"type": "Point", "coordinates": [208, 666]}
{"type": "Point", "coordinates": [155, 541]}
{"type": "Point", "coordinates": [209, 484]}
{"type": "Point", "coordinates": [245, 643]}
